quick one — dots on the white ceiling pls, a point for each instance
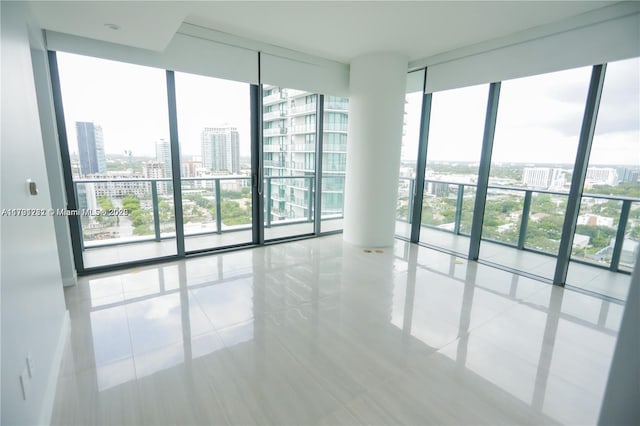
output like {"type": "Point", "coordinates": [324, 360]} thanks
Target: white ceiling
{"type": "Point", "coordinates": [334, 30]}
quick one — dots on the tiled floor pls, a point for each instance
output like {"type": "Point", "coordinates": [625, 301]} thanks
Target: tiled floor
{"type": "Point", "coordinates": [321, 332]}
{"type": "Point", "coordinates": [114, 254]}
{"type": "Point", "coordinates": [596, 279]}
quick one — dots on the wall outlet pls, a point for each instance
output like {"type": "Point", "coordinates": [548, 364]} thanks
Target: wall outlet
{"type": "Point", "coordinates": [25, 382]}
{"type": "Point", "coordinates": [30, 366]}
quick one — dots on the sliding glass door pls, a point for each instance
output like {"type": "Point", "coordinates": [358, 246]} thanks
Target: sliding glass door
{"type": "Point", "coordinates": [160, 164]}
{"type": "Point", "coordinates": [534, 150]}
{"type": "Point", "coordinates": [289, 153]}
{"type": "Point", "coordinates": [120, 197]}
{"type": "Point", "coordinates": [214, 133]}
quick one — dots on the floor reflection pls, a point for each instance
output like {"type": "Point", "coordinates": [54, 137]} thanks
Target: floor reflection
{"type": "Point", "coordinates": [318, 331]}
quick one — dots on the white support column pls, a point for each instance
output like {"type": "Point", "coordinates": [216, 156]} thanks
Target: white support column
{"type": "Point", "coordinates": [376, 113]}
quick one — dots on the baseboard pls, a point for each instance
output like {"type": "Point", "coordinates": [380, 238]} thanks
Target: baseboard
{"type": "Point", "coordinates": [52, 383]}
{"type": "Point", "coordinates": [69, 281]}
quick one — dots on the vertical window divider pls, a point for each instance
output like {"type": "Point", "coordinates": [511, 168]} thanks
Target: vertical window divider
{"type": "Point", "coordinates": [175, 162]}
{"type": "Point", "coordinates": [579, 173]}
{"type": "Point", "coordinates": [317, 217]}
{"type": "Point", "coordinates": [421, 167]}
{"type": "Point", "coordinates": [257, 158]}
{"type": "Point", "coordinates": [75, 226]}
{"type": "Point", "coordinates": [483, 170]}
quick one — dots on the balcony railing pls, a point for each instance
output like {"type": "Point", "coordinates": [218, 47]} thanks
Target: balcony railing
{"type": "Point", "coordinates": [335, 127]}
{"type": "Point", "coordinates": [336, 106]}
{"type": "Point", "coordinates": [304, 108]}
{"type": "Point", "coordinates": [273, 115]}
{"type": "Point", "coordinates": [144, 209]}
{"type": "Point", "coordinates": [530, 219]}
{"type": "Point", "coordinates": [303, 128]}
{"type": "Point", "coordinates": [302, 147]}
{"type": "Point", "coordinates": [276, 97]}
{"type": "Point", "coordinates": [334, 147]}
{"type": "Point", "coordinates": [275, 131]}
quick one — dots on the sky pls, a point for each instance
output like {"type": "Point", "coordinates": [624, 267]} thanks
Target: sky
{"type": "Point", "coordinates": [130, 103]}
{"type": "Point", "coordinates": [539, 117]}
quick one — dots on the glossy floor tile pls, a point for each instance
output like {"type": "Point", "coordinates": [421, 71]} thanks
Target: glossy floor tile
{"type": "Point", "coordinates": [581, 275]}
{"type": "Point", "coordinates": [96, 255]}
{"type": "Point", "coordinates": [321, 332]}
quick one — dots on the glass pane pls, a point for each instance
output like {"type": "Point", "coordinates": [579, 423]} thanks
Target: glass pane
{"type": "Point", "coordinates": [408, 161]}
{"type": "Point", "coordinates": [611, 185]}
{"type": "Point", "coordinates": [289, 117]}
{"type": "Point", "coordinates": [214, 130]}
{"type": "Point", "coordinates": [545, 221]}
{"type": "Point", "coordinates": [453, 156]}
{"type": "Point", "coordinates": [116, 117]}
{"type": "Point", "coordinates": [334, 158]}
{"type": "Point", "coordinates": [534, 150]}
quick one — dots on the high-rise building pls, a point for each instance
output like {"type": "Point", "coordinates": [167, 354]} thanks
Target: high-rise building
{"type": "Point", "coordinates": [626, 174]}
{"type": "Point", "coordinates": [289, 150]}
{"type": "Point", "coordinates": [155, 170]}
{"type": "Point", "coordinates": [163, 155]}
{"type": "Point", "coordinates": [90, 148]}
{"type": "Point", "coordinates": [221, 149]}
{"type": "Point", "coordinates": [543, 177]}
{"type": "Point", "coordinates": [602, 176]}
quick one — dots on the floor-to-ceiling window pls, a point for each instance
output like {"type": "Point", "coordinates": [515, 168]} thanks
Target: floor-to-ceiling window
{"type": "Point", "coordinates": [409, 153]}
{"type": "Point", "coordinates": [137, 137]}
{"type": "Point", "coordinates": [608, 227]}
{"type": "Point", "coordinates": [530, 159]}
{"type": "Point", "coordinates": [453, 155]}
{"type": "Point", "coordinates": [334, 162]}
{"type": "Point", "coordinates": [534, 150]}
{"type": "Point", "coordinates": [289, 150]}
{"type": "Point", "coordinates": [115, 116]}
{"type": "Point", "coordinates": [214, 134]}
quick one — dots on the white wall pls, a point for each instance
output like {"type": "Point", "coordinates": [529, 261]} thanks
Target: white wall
{"type": "Point", "coordinates": [34, 319]}
{"type": "Point", "coordinates": [52, 156]}
{"type": "Point", "coordinates": [621, 404]}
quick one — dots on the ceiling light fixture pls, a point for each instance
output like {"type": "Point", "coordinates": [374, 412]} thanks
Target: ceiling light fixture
{"type": "Point", "coordinates": [112, 26]}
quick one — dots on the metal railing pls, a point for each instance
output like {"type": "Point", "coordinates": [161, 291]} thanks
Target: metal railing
{"type": "Point", "coordinates": [457, 189]}
{"type": "Point", "coordinates": [289, 182]}
{"type": "Point", "coordinates": [211, 192]}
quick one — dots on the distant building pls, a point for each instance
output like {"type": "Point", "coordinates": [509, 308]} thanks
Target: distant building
{"type": "Point", "coordinates": [628, 175]}
{"type": "Point", "coordinates": [221, 149]}
{"type": "Point", "coordinates": [155, 170]}
{"type": "Point", "coordinates": [602, 176]}
{"type": "Point", "coordinates": [190, 168]}
{"type": "Point", "coordinates": [595, 220]}
{"type": "Point", "coordinates": [438, 189]}
{"type": "Point", "coordinates": [289, 150]}
{"type": "Point", "coordinates": [90, 148]}
{"type": "Point", "coordinates": [628, 254]}
{"type": "Point", "coordinates": [163, 155]}
{"type": "Point", "coordinates": [115, 185]}
{"type": "Point", "coordinates": [543, 177]}
{"type": "Point", "coordinates": [87, 199]}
